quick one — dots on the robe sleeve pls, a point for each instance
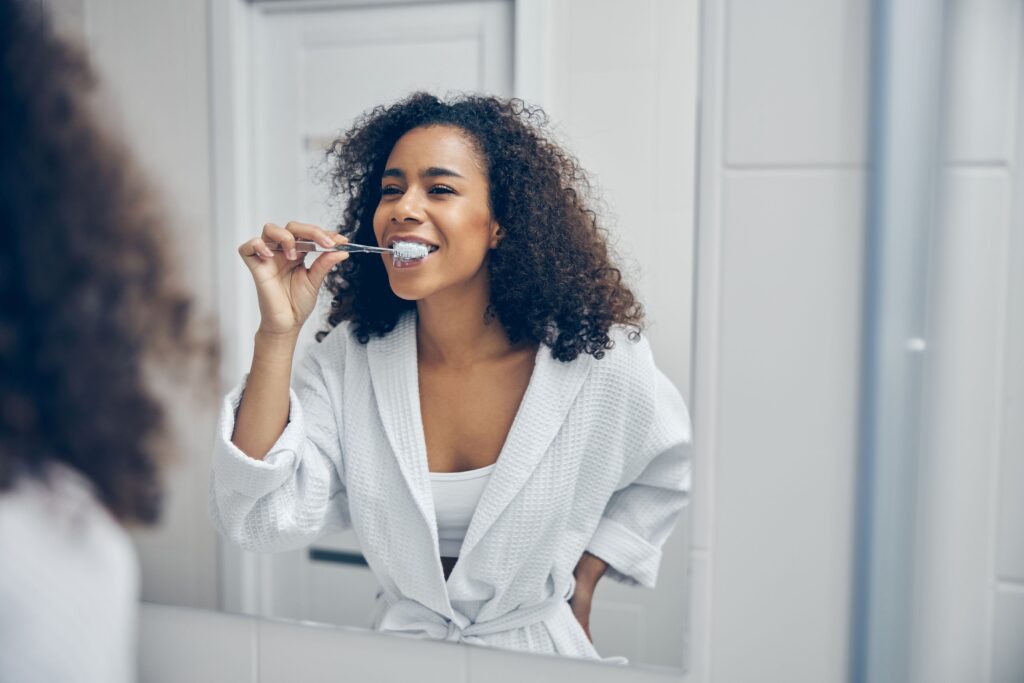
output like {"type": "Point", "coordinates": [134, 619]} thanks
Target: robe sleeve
{"type": "Point", "coordinates": [295, 494]}
{"type": "Point", "coordinates": [641, 514]}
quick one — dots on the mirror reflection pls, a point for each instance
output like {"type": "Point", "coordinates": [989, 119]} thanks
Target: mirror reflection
{"type": "Point", "coordinates": [451, 283]}
{"type": "Point", "coordinates": [489, 408]}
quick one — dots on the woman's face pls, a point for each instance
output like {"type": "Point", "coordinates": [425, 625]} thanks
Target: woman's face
{"type": "Point", "coordinates": [435, 190]}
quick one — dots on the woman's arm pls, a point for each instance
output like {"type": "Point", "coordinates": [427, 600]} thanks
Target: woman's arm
{"type": "Point", "coordinates": [296, 492]}
{"type": "Point", "coordinates": [588, 572]}
{"type": "Point", "coordinates": [263, 412]}
{"type": "Point", "coordinates": [286, 291]}
{"type": "Point", "coordinates": [640, 516]}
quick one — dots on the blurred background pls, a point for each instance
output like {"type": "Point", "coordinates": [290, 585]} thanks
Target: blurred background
{"type": "Point", "coordinates": [822, 200]}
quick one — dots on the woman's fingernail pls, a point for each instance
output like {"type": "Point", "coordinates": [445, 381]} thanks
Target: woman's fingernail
{"type": "Point", "coordinates": [292, 255]}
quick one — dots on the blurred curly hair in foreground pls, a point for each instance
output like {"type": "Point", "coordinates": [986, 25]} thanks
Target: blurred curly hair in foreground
{"type": "Point", "coordinates": [89, 303]}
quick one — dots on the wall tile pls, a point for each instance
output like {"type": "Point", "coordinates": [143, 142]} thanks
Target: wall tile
{"type": "Point", "coordinates": [1010, 539]}
{"type": "Point", "coordinates": [1007, 652]}
{"type": "Point", "coordinates": [785, 464]}
{"type": "Point", "coordinates": [960, 407]}
{"type": "Point", "coordinates": [796, 82]}
{"type": "Point", "coordinates": [982, 78]}
{"type": "Point", "coordinates": [698, 636]}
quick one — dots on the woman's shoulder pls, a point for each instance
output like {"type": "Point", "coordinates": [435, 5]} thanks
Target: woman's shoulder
{"type": "Point", "coordinates": [629, 356]}
{"type": "Point", "coordinates": [61, 510]}
{"type": "Point", "coordinates": [645, 395]}
{"type": "Point", "coordinates": [62, 556]}
{"type": "Point", "coordinates": [627, 369]}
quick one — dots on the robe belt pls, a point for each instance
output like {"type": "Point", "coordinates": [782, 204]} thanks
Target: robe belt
{"type": "Point", "coordinates": [413, 618]}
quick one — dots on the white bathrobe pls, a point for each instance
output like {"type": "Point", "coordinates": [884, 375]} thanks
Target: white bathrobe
{"type": "Point", "coordinates": [597, 459]}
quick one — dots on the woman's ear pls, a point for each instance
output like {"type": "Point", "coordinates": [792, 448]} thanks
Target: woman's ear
{"type": "Point", "coordinates": [497, 234]}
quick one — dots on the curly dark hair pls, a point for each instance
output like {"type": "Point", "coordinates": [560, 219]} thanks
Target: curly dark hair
{"type": "Point", "coordinates": [89, 305]}
{"type": "Point", "coordinates": [552, 280]}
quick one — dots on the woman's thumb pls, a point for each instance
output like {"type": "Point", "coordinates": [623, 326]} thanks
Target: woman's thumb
{"type": "Point", "coordinates": [323, 265]}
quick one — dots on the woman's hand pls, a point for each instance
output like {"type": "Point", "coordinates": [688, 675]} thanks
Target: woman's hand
{"type": "Point", "coordinates": [588, 572]}
{"type": "Point", "coordinates": [286, 289]}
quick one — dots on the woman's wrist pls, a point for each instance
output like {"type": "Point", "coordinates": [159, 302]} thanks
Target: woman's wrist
{"type": "Point", "coordinates": [590, 569]}
{"type": "Point", "coordinates": [271, 346]}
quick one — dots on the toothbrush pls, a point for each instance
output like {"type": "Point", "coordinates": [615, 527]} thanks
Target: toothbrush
{"type": "Point", "coordinates": [404, 251]}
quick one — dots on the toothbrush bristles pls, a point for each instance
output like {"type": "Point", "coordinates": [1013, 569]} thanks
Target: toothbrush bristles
{"type": "Point", "coordinates": [410, 251]}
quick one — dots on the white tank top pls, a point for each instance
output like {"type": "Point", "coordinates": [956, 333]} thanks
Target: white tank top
{"type": "Point", "coordinates": [456, 495]}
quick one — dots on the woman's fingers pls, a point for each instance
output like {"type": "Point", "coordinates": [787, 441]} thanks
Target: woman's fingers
{"type": "Point", "coordinates": [254, 254]}
{"type": "Point", "coordinates": [311, 232]}
{"type": "Point", "coordinates": [323, 265]}
{"type": "Point", "coordinates": [288, 258]}
{"type": "Point", "coordinates": [284, 237]}
{"type": "Point", "coordinates": [255, 248]}
{"type": "Point", "coordinates": [295, 230]}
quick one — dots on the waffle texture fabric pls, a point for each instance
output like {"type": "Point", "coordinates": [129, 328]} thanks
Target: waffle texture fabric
{"type": "Point", "coordinates": [597, 459]}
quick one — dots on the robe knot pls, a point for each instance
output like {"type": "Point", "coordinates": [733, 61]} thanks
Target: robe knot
{"type": "Point", "coordinates": [414, 618]}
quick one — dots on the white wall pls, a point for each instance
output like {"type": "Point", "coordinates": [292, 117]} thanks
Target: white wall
{"type": "Point", "coordinates": [969, 617]}
{"type": "Point", "coordinates": [781, 229]}
{"type": "Point", "coordinates": [619, 84]}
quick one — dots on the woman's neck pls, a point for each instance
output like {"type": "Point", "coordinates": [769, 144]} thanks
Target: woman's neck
{"type": "Point", "coordinates": [452, 330]}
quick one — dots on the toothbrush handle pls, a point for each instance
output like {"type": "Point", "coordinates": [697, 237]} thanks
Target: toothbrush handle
{"type": "Point", "coordinates": [304, 246]}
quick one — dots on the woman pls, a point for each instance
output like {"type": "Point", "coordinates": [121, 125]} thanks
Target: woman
{"type": "Point", "coordinates": [88, 306]}
{"type": "Point", "coordinates": [488, 419]}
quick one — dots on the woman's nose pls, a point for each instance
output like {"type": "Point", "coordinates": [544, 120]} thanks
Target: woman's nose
{"type": "Point", "coordinates": [407, 208]}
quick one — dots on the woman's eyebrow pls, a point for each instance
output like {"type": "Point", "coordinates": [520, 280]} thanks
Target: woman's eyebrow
{"type": "Point", "coordinates": [437, 171]}
{"type": "Point", "coordinates": [431, 172]}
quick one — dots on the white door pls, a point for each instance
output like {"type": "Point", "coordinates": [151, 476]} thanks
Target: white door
{"type": "Point", "coordinates": [313, 71]}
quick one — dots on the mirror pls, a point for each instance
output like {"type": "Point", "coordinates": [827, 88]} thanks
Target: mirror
{"type": "Point", "coordinates": [231, 111]}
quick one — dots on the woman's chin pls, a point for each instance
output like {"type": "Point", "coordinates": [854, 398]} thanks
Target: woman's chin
{"type": "Point", "coordinates": [407, 291]}
{"type": "Point", "coordinates": [407, 296]}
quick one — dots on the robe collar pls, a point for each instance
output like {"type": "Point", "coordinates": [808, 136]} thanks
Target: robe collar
{"type": "Point", "coordinates": [551, 392]}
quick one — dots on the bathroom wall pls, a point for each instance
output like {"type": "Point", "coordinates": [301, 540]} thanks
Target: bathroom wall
{"type": "Point", "coordinates": [780, 274]}
{"type": "Point", "coordinates": [969, 612]}
{"type": "Point", "coordinates": [619, 82]}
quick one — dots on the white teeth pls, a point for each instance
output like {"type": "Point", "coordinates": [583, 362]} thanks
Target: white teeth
{"type": "Point", "coordinates": [430, 248]}
{"type": "Point", "coordinates": [409, 251]}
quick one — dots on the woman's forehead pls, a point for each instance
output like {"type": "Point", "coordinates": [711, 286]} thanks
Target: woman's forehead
{"type": "Point", "coordinates": [437, 146]}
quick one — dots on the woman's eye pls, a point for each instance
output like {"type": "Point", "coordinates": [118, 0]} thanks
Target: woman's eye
{"type": "Point", "coordinates": [442, 189]}
{"type": "Point", "coordinates": [390, 189]}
